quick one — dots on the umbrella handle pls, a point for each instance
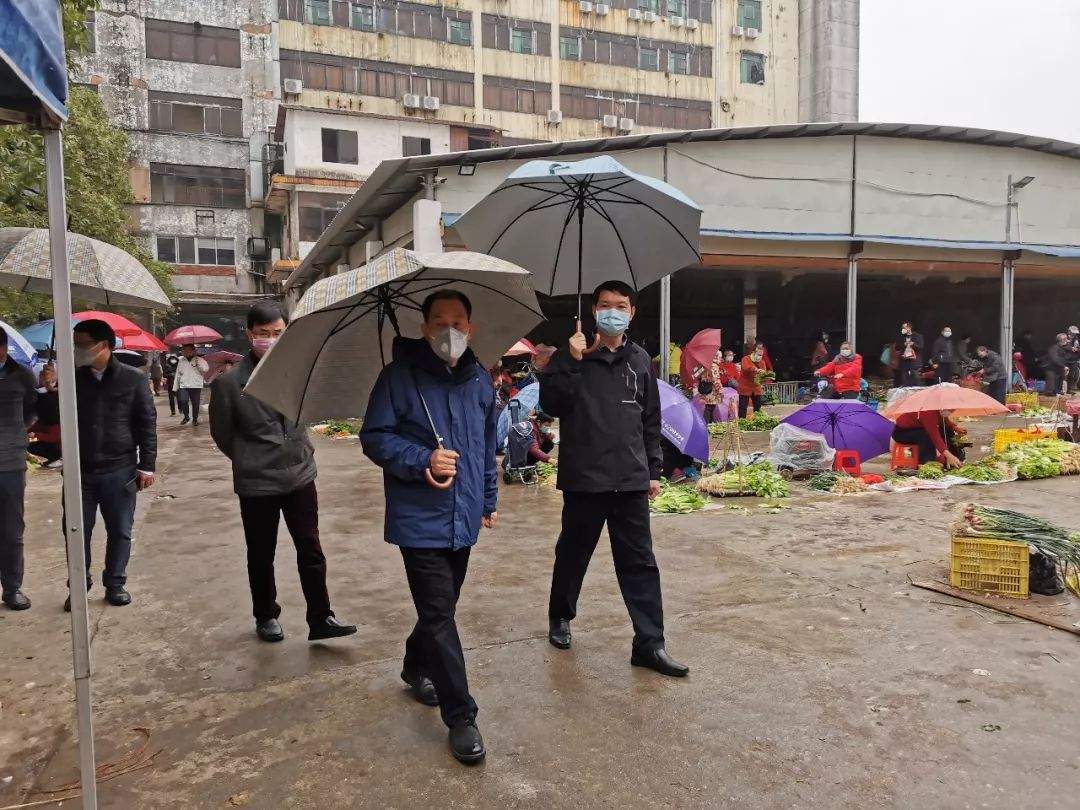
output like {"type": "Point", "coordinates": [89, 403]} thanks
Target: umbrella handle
{"type": "Point", "coordinates": [435, 482]}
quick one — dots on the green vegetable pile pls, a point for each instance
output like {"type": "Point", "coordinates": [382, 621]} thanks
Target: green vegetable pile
{"type": "Point", "coordinates": [823, 482]}
{"type": "Point", "coordinates": [1004, 524]}
{"type": "Point", "coordinates": [931, 471]}
{"type": "Point", "coordinates": [679, 500]}
{"type": "Point", "coordinates": [1044, 458]}
{"type": "Point", "coordinates": [979, 472]}
{"type": "Point", "coordinates": [1036, 412]}
{"type": "Point", "coordinates": [759, 422]}
{"type": "Point", "coordinates": [757, 479]}
{"type": "Point", "coordinates": [545, 470]}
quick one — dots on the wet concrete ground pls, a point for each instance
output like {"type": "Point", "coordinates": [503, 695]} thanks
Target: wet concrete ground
{"type": "Point", "coordinates": [820, 677]}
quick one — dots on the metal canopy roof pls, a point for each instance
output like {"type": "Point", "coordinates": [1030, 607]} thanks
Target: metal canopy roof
{"type": "Point", "coordinates": [395, 182]}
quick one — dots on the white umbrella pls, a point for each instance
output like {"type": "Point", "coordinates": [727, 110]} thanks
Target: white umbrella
{"type": "Point", "coordinates": [342, 332]}
{"type": "Point", "coordinates": [576, 225]}
{"type": "Point", "coordinates": [100, 272]}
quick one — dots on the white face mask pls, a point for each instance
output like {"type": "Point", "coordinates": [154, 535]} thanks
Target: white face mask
{"type": "Point", "coordinates": [946, 333]}
{"type": "Point", "coordinates": [449, 344]}
{"type": "Point", "coordinates": [86, 355]}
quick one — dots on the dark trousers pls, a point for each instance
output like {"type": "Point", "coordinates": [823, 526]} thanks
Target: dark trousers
{"type": "Point", "coordinates": [189, 402]}
{"type": "Point", "coordinates": [12, 493]}
{"type": "Point", "coordinates": [434, 648]}
{"type": "Point", "coordinates": [946, 372]}
{"type": "Point", "coordinates": [261, 515]}
{"type": "Point", "coordinates": [907, 374]}
{"type": "Point", "coordinates": [627, 517]}
{"type": "Point", "coordinates": [114, 494]}
{"type": "Point", "coordinates": [50, 451]}
{"type": "Point", "coordinates": [171, 393]}
{"type": "Point", "coordinates": [744, 404]}
{"type": "Point", "coordinates": [997, 389]}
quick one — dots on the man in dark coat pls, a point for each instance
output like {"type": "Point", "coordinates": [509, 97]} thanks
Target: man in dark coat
{"type": "Point", "coordinates": [1056, 363]}
{"type": "Point", "coordinates": [943, 356]}
{"type": "Point", "coordinates": [273, 466]}
{"type": "Point", "coordinates": [17, 395]}
{"type": "Point", "coordinates": [908, 351]}
{"type": "Point", "coordinates": [437, 497]}
{"type": "Point", "coordinates": [606, 398]}
{"type": "Point", "coordinates": [117, 449]}
{"type": "Point", "coordinates": [993, 373]}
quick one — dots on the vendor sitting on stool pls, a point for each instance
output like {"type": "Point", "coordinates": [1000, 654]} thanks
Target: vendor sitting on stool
{"type": "Point", "coordinates": [934, 433]}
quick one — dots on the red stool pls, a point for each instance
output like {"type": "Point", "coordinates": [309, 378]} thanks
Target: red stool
{"type": "Point", "coordinates": [905, 457]}
{"type": "Point", "coordinates": [848, 461]}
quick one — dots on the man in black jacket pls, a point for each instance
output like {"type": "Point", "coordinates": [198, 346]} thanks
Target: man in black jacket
{"type": "Point", "coordinates": [943, 356]}
{"type": "Point", "coordinates": [609, 467]}
{"type": "Point", "coordinates": [274, 472]}
{"type": "Point", "coordinates": [908, 349]}
{"type": "Point", "coordinates": [117, 449]}
{"type": "Point", "coordinates": [17, 395]}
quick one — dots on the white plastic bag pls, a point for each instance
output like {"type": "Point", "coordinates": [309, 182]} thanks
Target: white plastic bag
{"type": "Point", "coordinates": [799, 449]}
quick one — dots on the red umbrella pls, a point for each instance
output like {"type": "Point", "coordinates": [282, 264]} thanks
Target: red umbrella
{"type": "Point", "coordinates": [220, 362]}
{"type": "Point", "coordinates": [521, 347]}
{"type": "Point", "coordinates": [194, 333]}
{"type": "Point", "coordinates": [143, 342]}
{"type": "Point", "coordinates": [698, 352]}
{"type": "Point", "coordinates": [120, 325]}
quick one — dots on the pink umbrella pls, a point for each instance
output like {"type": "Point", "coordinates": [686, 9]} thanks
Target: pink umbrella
{"type": "Point", "coordinates": [195, 333]}
{"type": "Point", "coordinates": [221, 362]}
{"type": "Point", "coordinates": [521, 347]}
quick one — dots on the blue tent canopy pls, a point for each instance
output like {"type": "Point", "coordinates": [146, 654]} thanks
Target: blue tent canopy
{"type": "Point", "coordinates": [33, 68]}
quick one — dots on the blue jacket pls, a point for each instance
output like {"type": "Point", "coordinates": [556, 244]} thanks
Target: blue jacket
{"type": "Point", "coordinates": [397, 436]}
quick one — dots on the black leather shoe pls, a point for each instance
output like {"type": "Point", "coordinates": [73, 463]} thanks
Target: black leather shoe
{"type": "Point", "coordinates": [422, 688]}
{"type": "Point", "coordinates": [330, 627]}
{"type": "Point", "coordinates": [559, 633]}
{"type": "Point", "coordinates": [184, 421]}
{"type": "Point", "coordinates": [660, 661]}
{"type": "Point", "coordinates": [466, 744]}
{"type": "Point", "coordinates": [117, 596]}
{"type": "Point", "coordinates": [270, 630]}
{"type": "Point", "coordinates": [17, 600]}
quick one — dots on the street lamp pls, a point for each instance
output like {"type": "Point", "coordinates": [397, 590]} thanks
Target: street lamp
{"type": "Point", "coordinates": [1008, 279]}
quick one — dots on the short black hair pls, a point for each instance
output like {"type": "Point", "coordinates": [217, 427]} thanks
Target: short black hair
{"type": "Point", "coordinates": [98, 330]}
{"type": "Point", "coordinates": [3, 336]}
{"type": "Point", "coordinates": [615, 286]}
{"type": "Point", "coordinates": [446, 295]}
{"type": "Point", "coordinates": [265, 312]}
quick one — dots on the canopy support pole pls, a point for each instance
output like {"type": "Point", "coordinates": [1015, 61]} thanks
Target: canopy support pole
{"type": "Point", "coordinates": [69, 437]}
{"type": "Point", "coordinates": [1008, 283]}
{"type": "Point", "coordinates": [665, 328]}
{"type": "Point", "coordinates": [851, 322]}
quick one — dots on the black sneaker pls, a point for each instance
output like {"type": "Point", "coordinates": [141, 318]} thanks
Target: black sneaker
{"type": "Point", "coordinates": [466, 744]}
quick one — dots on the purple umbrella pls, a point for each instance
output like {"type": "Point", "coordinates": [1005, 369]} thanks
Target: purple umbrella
{"type": "Point", "coordinates": [681, 425]}
{"type": "Point", "coordinates": [846, 424]}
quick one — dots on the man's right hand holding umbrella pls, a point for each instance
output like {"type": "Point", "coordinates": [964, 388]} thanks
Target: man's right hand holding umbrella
{"type": "Point", "coordinates": [579, 344]}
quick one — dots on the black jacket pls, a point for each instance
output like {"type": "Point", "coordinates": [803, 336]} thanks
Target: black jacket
{"type": "Point", "coordinates": [270, 455]}
{"type": "Point", "coordinates": [1058, 356]}
{"type": "Point", "coordinates": [17, 395]}
{"type": "Point", "coordinates": [916, 342]}
{"type": "Point", "coordinates": [117, 419]}
{"type": "Point", "coordinates": [609, 411]}
{"type": "Point", "coordinates": [943, 351]}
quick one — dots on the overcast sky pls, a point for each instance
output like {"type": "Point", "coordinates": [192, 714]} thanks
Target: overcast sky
{"type": "Point", "coordinates": [998, 64]}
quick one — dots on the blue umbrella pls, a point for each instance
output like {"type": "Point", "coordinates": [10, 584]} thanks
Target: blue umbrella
{"type": "Point", "coordinates": [529, 397]}
{"type": "Point", "coordinates": [19, 348]}
{"type": "Point", "coordinates": [846, 424]}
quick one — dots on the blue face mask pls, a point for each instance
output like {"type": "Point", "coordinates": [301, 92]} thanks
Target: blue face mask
{"type": "Point", "coordinates": [612, 322]}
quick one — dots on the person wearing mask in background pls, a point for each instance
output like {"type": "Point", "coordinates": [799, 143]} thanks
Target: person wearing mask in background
{"type": "Point", "coordinates": [168, 370]}
{"type": "Point", "coordinates": [1072, 376]}
{"type": "Point", "coordinates": [437, 498]}
{"type": "Point", "coordinates": [943, 356]}
{"type": "Point", "coordinates": [273, 466]}
{"type": "Point", "coordinates": [1056, 364]}
{"type": "Point", "coordinates": [907, 351]}
{"type": "Point", "coordinates": [750, 387]}
{"type": "Point", "coordinates": [707, 383]}
{"type": "Point", "coordinates": [993, 373]}
{"type": "Point", "coordinates": [934, 433]}
{"type": "Point", "coordinates": [46, 428]}
{"type": "Point", "coordinates": [191, 373]}
{"type": "Point", "coordinates": [729, 370]}
{"type": "Point", "coordinates": [17, 396]}
{"type": "Point", "coordinates": [844, 373]}
{"type": "Point", "coordinates": [117, 449]}
{"type": "Point", "coordinates": [543, 440]}
{"type": "Point", "coordinates": [751, 343]}
{"type": "Point", "coordinates": [608, 404]}
{"type": "Point", "coordinates": [821, 353]}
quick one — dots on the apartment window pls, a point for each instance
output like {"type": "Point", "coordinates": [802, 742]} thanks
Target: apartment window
{"type": "Point", "coordinates": [317, 12]}
{"type": "Point", "coordinates": [91, 32]}
{"type": "Point", "coordinates": [678, 62]}
{"type": "Point", "coordinates": [570, 48]}
{"type": "Point", "coordinates": [192, 42]}
{"type": "Point", "coordinates": [317, 211]}
{"type": "Point", "coordinates": [210, 186]}
{"type": "Point", "coordinates": [676, 8]}
{"type": "Point", "coordinates": [410, 146]}
{"type": "Point", "coordinates": [752, 68]}
{"type": "Point", "coordinates": [516, 95]}
{"type": "Point", "coordinates": [459, 32]}
{"type": "Point", "coordinates": [649, 5]}
{"type": "Point", "coordinates": [196, 250]}
{"type": "Point", "coordinates": [339, 146]}
{"type": "Point", "coordinates": [649, 59]}
{"type": "Point", "coordinates": [749, 15]}
{"type": "Point", "coordinates": [521, 41]}
{"type": "Point", "coordinates": [362, 18]}
{"type": "Point", "coordinates": [198, 115]}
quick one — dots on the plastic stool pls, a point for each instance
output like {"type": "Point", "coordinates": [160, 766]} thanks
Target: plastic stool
{"type": "Point", "coordinates": [905, 457]}
{"type": "Point", "coordinates": [848, 461]}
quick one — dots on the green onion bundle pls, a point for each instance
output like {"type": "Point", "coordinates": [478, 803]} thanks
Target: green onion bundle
{"type": "Point", "coordinates": [1004, 524]}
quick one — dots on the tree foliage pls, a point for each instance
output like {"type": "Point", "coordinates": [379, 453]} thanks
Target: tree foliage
{"type": "Point", "coordinates": [97, 157]}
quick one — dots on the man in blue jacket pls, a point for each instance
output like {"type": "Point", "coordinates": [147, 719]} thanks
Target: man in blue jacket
{"type": "Point", "coordinates": [435, 395]}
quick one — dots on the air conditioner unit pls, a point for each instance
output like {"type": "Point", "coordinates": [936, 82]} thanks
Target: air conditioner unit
{"type": "Point", "coordinates": [602, 9]}
{"type": "Point", "coordinates": [293, 86]}
{"type": "Point", "coordinates": [411, 101]}
{"type": "Point", "coordinates": [650, 16]}
{"type": "Point", "coordinates": [431, 103]}
{"type": "Point", "coordinates": [634, 14]}
{"type": "Point", "coordinates": [610, 122]}
{"type": "Point", "coordinates": [692, 24]}
{"type": "Point", "coordinates": [585, 6]}
{"type": "Point", "coordinates": [675, 22]}
{"type": "Point", "coordinates": [626, 125]}
{"type": "Point", "coordinates": [752, 33]}
{"type": "Point", "coordinates": [554, 116]}
{"type": "Point", "coordinates": [737, 31]}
